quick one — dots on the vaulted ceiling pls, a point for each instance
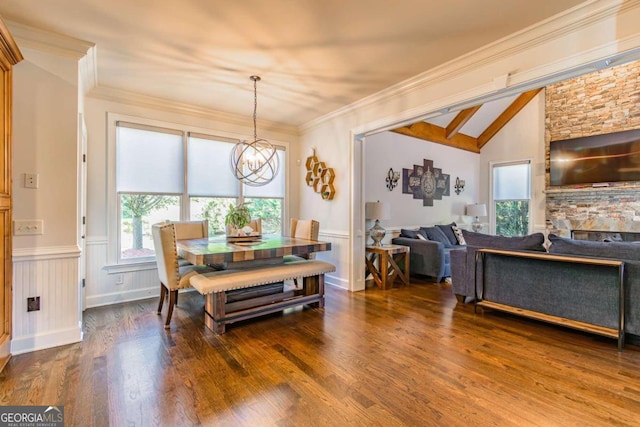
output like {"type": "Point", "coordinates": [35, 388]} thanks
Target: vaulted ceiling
{"type": "Point", "coordinates": [313, 56]}
{"type": "Point", "coordinates": [451, 131]}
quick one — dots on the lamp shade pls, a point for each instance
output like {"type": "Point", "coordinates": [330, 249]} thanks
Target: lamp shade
{"type": "Point", "coordinates": [377, 210]}
{"type": "Point", "coordinates": [477, 210]}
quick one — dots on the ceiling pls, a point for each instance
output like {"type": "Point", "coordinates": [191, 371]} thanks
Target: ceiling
{"type": "Point", "coordinates": [314, 56]}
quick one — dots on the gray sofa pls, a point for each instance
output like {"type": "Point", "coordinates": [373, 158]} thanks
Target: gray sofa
{"type": "Point", "coordinates": [430, 249]}
{"type": "Point", "coordinates": [583, 292]}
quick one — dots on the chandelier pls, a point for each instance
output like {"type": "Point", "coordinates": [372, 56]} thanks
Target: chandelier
{"type": "Point", "coordinates": [255, 163]}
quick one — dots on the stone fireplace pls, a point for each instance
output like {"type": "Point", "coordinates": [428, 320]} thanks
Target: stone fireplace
{"type": "Point", "coordinates": [598, 209]}
{"type": "Point", "coordinates": [601, 102]}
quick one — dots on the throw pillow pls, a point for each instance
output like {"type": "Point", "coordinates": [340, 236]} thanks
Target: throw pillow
{"type": "Point", "coordinates": [435, 234]}
{"type": "Point", "coordinates": [458, 232]}
{"type": "Point", "coordinates": [421, 237]}
{"type": "Point", "coordinates": [411, 234]}
{"type": "Point", "coordinates": [447, 229]}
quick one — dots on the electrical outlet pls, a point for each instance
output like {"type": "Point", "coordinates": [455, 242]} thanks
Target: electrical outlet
{"type": "Point", "coordinates": [25, 227]}
{"type": "Point", "coordinates": [33, 304]}
{"type": "Point", "coordinates": [120, 279]}
{"type": "Point", "coordinates": [31, 180]}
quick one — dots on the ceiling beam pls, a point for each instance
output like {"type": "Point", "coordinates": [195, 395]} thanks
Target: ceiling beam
{"type": "Point", "coordinates": [437, 134]}
{"type": "Point", "coordinates": [460, 120]}
{"type": "Point", "coordinates": [506, 115]}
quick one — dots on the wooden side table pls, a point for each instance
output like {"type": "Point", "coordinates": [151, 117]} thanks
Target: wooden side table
{"type": "Point", "coordinates": [383, 264]}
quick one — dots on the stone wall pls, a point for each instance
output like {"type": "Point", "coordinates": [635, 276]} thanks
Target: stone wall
{"type": "Point", "coordinates": [605, 101]}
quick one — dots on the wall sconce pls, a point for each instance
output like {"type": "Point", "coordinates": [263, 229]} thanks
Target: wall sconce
{"type": "Point", "coordinates": [459, 186]}
{"type": "Point", "coordinates": [392, 179]}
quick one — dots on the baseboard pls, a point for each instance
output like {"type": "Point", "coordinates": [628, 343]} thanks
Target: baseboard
{"type": "Point", "coordinates": [50, 339]}
{"type": "Point", "coordinates": [336, 281]}
{"type": "Point", "coordinates": [119, 297]}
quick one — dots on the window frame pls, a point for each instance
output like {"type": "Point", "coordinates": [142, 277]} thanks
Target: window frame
{"type": "Point", "coordinates": [113, 200]}
{"type": "Point", "coordinates": [492, 205]}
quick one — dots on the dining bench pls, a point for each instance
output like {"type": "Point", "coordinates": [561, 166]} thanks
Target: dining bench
{"type": "Point", "coordinates": [217, 285]}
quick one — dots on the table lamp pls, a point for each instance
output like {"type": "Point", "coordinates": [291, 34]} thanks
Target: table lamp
{"type": "Point", "coordinates": [477, 211]}
{"type": "Point", "coordinates": [377, 211]}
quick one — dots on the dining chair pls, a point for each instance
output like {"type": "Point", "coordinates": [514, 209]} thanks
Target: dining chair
{"type": "Point", "coordinates": [304, 229]}
{"type": "Point", "coordinates": [172, 276]}
{"type": "Point", "coordinates": [190, 230]}
{"type": "Point", "coordinates": [256, 224]}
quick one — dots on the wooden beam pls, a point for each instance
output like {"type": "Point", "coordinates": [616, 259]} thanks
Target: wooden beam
{"type": "Point", "coordinates": [506, 115]}
{"type": "Point", "coordinates": [460, 120]}
{"type": "Point", "coordinates": [437, 134]}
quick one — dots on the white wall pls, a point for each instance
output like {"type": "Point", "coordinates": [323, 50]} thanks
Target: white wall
{"type": "Point", "coordinates": [45, 123]}
{"type": "Point", "coordinates": [521, 139]}
{"type": "Point", "coordinates": [392, 150]}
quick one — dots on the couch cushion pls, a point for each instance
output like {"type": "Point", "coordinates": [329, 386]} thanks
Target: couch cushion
{"type": "Point", "coordinates": [447, 229]}
{"type": "Point", "coordinates": [615, 250]}
{"type": "Point", "coordinates": [411, 234]}
{"type": "Point", "coordinates": [531, 242]}
{"type": "Point", "coordinates": [437, 235]}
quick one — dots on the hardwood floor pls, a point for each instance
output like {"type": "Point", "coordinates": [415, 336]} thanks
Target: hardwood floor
{"type": "Point", "coordinates": [409, 356]}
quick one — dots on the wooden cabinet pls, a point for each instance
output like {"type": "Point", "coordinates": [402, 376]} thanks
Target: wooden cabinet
{"type": "Point", "coordinates": [9, 56]}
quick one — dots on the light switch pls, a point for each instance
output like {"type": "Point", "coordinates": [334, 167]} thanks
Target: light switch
{"type": "Point", "coordinates": [28, 227]}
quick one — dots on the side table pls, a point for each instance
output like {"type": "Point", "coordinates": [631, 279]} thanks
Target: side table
{"type": "Point", "coordinates": [383, 264]}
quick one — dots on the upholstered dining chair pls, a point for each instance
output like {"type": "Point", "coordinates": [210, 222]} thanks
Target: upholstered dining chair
{"type": "Point", "coordinates": [303, 229]}
{"type": "Point", "coordinates": [190, 230]}
{"type": "Point", "coordinates": [172, 276]}
{"type": "Point", "coordinates": [256, 224]}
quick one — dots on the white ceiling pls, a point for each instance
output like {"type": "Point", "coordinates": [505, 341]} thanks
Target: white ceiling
{"type": "Point", "coordinates": [314, 56]}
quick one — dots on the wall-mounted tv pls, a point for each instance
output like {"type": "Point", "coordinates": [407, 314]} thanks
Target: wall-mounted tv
{"type": "Point", "coordinates": [611, 157]}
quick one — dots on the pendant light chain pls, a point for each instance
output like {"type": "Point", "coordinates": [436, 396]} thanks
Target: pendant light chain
{"type": "Point", "coordinates": [255, 107]}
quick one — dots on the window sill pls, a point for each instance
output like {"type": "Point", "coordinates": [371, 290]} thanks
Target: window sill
{"type": "Point", "coordinates": [130, 266]}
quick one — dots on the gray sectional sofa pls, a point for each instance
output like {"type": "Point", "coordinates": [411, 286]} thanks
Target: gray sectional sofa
{"type": "Point", "coordinates": [430, 249]}
{"type": "Point", "coordinates": [535, 281]}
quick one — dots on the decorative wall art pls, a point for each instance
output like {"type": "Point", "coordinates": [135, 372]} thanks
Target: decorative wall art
{"type": "Point", "coordinates": [426, 182]}
{"type": "Point", "coordinates": [392, 179]}
{"type": "Point", "coordinates": [320, 177]}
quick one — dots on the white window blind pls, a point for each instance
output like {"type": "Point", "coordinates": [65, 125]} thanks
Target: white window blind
{"type": "Point", "coordinates": [209, 172]}
{"type": "Point", "coordinates": [149, 159]}
{"type": "Point", "coordinates": [512, 181]}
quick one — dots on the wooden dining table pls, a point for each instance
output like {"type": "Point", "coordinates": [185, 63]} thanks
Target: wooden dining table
{"type": "Point", "coordinates": [268, 249]}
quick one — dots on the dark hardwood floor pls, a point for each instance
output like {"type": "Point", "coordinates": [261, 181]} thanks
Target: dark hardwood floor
{"type": "Point", "coordinates": [409, 356]}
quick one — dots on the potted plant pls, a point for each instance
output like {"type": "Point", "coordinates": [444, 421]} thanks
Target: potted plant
{"type": "Point", "coordinates": [237, 218]}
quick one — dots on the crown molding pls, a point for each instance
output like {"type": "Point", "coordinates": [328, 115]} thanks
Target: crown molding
{"type": "Point", "coordinates": [579, 17]}
{"type": "Point", "coordinates": [47, 41]}
{"type": "Point", "coordinates": [58, 44]}
{"type": "Point", "coordinates": [136, 99]}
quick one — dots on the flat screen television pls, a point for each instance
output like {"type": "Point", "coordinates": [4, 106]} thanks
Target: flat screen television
{"type": "Point", "coordinates": [598, 159]}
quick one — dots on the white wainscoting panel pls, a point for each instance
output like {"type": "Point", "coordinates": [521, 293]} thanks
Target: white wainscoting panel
{"type": "Point", "coordinates": [53, 275]}
{"type": "Point", "coordinates": [338, 256]}
{"type": "Point", "coordinates": [110, 286]}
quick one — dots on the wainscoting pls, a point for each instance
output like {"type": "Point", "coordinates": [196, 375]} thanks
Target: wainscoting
{"type": "Point", "coordinates": [53, 275]}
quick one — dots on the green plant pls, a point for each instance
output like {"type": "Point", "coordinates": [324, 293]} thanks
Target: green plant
{"type": "Point", "coordinates": [238, 216]}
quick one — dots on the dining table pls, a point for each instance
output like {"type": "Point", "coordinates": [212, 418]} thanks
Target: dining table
{"type": "Point", "coordinates": [264, 250]}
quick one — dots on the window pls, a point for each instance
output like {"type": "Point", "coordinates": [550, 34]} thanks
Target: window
{"type": "Point", "coordinates": [511, 191]}
{"type": "Point", "coordinates": [174, 174]}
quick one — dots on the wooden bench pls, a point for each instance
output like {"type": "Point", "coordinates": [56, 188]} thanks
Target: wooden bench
{"type": "Point", "coordinates": [216, 285]}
